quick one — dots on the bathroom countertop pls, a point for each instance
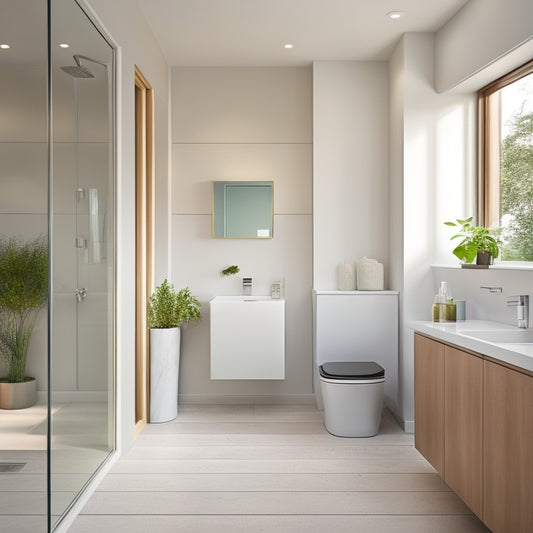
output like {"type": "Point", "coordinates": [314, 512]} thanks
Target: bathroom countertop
{"type": "Point", "coordinates": [458, 333]}
{"type": "Point", "coordinates": [352, 293]}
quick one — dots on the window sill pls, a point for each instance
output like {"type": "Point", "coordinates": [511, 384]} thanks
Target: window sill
{"type": "Point", "coordinates": [506, 265]}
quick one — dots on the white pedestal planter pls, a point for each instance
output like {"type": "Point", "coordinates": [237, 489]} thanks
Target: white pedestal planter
{"type": "Point", "coordinates": [164, 373]}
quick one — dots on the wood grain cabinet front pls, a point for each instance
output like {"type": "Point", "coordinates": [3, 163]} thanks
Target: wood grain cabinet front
{"type": "Point", "coordinates": [474, 424]}
{"type": "Point", "coordinates": [429, 401]}
{"type": "Point", "coordinates": [508, 450]}
{"type": "Point", "coordinates": [463, 426]}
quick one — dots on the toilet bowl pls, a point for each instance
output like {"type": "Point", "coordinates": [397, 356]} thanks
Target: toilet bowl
{"type": "Point", "coordinates": [352, 393]}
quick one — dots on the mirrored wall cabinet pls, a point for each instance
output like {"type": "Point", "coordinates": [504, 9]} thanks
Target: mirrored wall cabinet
{"type": "Point", "coordinates": [242, 209]}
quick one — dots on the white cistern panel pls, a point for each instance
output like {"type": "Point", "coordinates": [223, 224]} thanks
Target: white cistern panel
{"type": "Point", "coordinates": [359, 326]}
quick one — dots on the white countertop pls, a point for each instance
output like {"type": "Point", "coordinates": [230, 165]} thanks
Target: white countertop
{"type": "Point", "coordinates": [352, 293]}
{"type": "Point", "coordinates": [518, 354]}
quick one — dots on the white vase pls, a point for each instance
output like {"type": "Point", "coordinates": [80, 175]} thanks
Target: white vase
{"type": "Point", "coordinates": [164, 373]}
{"type": "Point", "coordinates": [345, 277]}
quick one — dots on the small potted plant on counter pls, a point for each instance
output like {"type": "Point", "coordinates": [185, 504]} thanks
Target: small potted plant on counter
{"type": "Point", "coordinates": [168, 310]}
{"type": "Point", "coordinates": [477, 243]}
{"type": "Point", "coordinates": [23, 291]}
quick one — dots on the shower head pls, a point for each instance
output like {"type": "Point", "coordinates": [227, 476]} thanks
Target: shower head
{"type": "Point", "coordinates": [79, 71]}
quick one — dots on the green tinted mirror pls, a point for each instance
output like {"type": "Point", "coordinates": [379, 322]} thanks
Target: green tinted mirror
{"type": "Point", "coordinates": [242, 209]}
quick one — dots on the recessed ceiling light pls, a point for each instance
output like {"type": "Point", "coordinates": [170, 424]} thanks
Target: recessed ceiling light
{"type": "Point", "coordinates": [288, 45]}
{"type": "Point", "coordinates": [64, 45]}
{"type": "Point", "coordinates": [395, 14]}
{"type": "Point", "coordinates": [4, 46]}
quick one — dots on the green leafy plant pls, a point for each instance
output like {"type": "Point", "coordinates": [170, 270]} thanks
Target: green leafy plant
{"type": "Point", "coordinates": [233, 269]}
{"type": "Point", "coordinates": [23, 290]}
{"type": "Point", "coordinates": [170, 309]}
{"type": "Point", "coordinates": [476, 239]}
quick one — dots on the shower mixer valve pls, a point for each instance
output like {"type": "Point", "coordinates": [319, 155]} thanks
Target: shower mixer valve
{"type": "Point", "coordinates": [81, 294]}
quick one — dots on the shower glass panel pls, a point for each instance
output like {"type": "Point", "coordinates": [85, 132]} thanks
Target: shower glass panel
{"type": "Point", "coordinates": [82, 229]}
{"type": "Point", "coordinates": [23, 214]}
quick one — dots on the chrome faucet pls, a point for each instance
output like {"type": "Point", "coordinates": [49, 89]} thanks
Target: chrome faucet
{"type": "Point", "coordinates": [247, 286]}
{"type": "Point", "coordinates": [521, 302]}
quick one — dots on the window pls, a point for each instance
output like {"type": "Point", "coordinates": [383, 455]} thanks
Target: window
{"type": "Point", "coordinates": [506, 133]}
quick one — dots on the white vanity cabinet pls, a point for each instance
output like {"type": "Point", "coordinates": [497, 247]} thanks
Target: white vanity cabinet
{"type": "Point", "coordinates": [247, 337]}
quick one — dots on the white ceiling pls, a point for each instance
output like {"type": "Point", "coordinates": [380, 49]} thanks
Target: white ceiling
{"type": "Point", "coordinates": [254, 32]}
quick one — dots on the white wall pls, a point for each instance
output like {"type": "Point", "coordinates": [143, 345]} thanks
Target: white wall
{"type": "Point", "coordinates": [463, 64]}
{"type": "Point", "coordinates": [350, 165]}
{"type": "Point", "coordinates": [433, 140]}
{"type": "Point", "coordinates": [439, 167]}
{"type": "Point", "coordinates": [480, 34]}
{"type": "Point", "coordinates": [481, 304]}
{"type": "Point", "coordinates": [243, 124]}
{"type": "Point", "coordinates": [123, 22]}
{"type": "Point", "coordinates": [396, 157]}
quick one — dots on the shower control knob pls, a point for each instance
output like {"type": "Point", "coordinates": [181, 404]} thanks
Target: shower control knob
{"type": "Point", "coordinates": [81, 294]}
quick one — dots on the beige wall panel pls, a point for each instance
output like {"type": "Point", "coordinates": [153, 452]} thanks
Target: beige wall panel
{"type": "Point", "coordinates": [243, 124]}
{"type": "Point", "coordinates": [350, 166]}
{"type": "Point", "coordinates": [289, 166]}
{"type": "Point", "coordinates": [65, 352]}
{"type": "Point", "coordinates": [64, 177]}
{"type": "Point", "coordinates": [198, 260]}
{"type": "Point", "coordinates": [23, 104]}
{"type": "Point", "coordinates": [64, 260]}
{"type": "Point", "coordinates": [26, 226]}
{"type": "Point", "coordinates": [259, 105]}
{"type": "Point", "coordinates": [93, 317]}
{"type": "Point", "coordinates": [23, 177]}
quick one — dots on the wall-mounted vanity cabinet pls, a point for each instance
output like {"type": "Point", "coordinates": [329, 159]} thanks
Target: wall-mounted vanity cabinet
{"type": "Point", "coordinates": [247, 337]}
{"type": "Point", "coordinates": [474, 424]}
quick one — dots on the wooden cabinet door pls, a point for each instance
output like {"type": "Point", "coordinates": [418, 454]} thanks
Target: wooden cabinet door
{"type": "Point", "coordinates": [463, 426]}
{"type": "Point", "coordinates": [508, 451]}
{"type": "Point", "coordinates": [429, 401]}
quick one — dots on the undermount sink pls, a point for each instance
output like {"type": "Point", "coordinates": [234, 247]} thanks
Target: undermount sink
{"type": "Point", "coordinates": [515, 336]}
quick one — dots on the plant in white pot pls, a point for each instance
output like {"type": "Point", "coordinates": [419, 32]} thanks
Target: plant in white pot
{"type": "Point", "coordinates": [23, 291]}
{"type": "Point", "coordinates": [168, 310]}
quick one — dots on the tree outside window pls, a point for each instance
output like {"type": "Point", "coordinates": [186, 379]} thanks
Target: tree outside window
{"type": "Point", "coordinates": [507, 135]}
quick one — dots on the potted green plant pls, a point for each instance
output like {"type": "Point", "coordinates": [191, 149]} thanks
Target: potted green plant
{"type": "Point", "coordinates": [23, 291]}
{"type": "Point", "coordinates": [477, 242]}
{"type": "Point", "coordinates": [168, 311]}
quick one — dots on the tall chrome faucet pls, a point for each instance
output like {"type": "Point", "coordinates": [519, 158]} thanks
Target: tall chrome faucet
{"type": "Point", "coordinates": [521, 302]}
{"type": "Point", "coordinates": [247, 286]}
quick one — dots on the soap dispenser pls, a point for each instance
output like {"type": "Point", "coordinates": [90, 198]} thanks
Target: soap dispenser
{"type": "Point", "coordinates": [444, 308]}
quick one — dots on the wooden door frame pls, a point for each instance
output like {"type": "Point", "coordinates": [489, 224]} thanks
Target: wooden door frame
{"type": "Point", "coordinates": [144, 238]}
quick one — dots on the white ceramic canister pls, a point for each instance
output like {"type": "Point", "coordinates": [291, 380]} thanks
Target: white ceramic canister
{"type": "Point", "coordinates": [345, 277]}
{"type": "Point", "coordinates": [369, 274]}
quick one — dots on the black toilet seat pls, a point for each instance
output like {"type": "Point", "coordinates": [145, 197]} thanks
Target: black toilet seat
{"type": "Point", "coordinates": [352, 370]}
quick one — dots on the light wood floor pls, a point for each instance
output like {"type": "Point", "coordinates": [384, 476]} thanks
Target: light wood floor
{"type": "Point", "coordinates": [271, 469]}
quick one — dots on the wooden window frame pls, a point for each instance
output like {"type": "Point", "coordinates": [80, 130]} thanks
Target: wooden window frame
{"type": "Point", "coordinates": [489, 135]}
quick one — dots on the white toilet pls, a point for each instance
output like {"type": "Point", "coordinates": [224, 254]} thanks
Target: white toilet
{"type": "Point", "coordinates": [352, 394]}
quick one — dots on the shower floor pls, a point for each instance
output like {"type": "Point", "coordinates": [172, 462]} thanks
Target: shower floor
{"type": "Point", "coordinates": [79, 446]}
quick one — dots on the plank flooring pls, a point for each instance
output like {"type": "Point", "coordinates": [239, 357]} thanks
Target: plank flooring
{"type": "Point", "coordinates": [271, 469]}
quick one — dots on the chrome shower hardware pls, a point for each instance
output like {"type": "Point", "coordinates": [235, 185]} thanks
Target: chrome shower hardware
{"type": "Point", "coordinates": [79, 70]}
{"type": "Point", "coordinates": [491, 289]}
{"type": "Point", "coordinates": [81, 294]}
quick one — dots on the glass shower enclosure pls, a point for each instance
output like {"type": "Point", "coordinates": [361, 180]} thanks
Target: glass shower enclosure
{"type": "Point", "coordinates": [57, 180]}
